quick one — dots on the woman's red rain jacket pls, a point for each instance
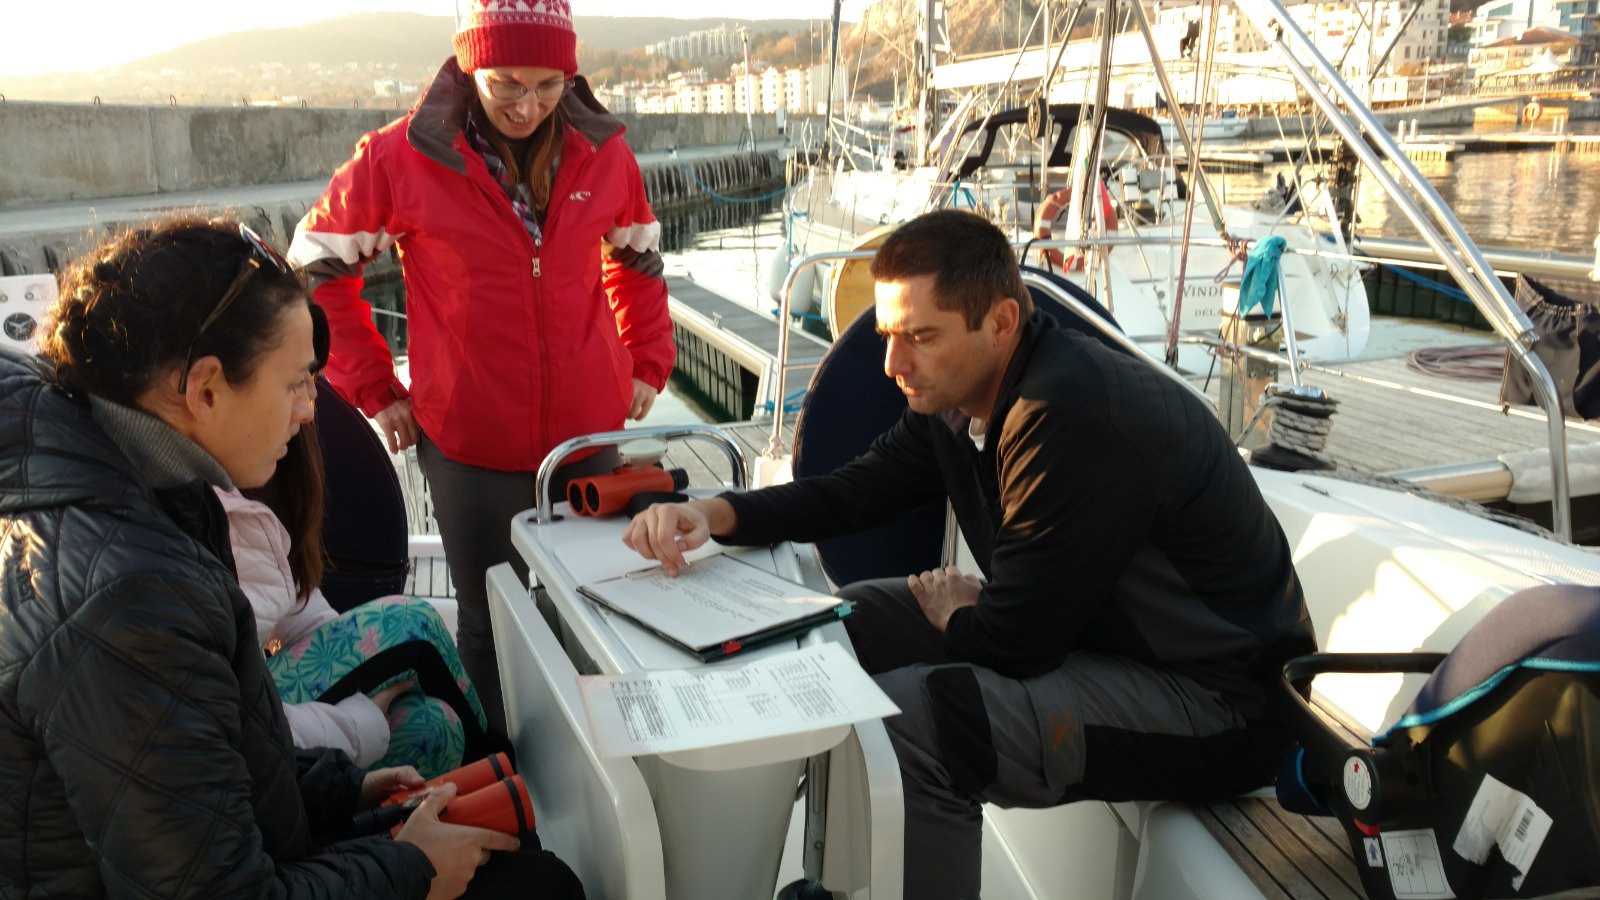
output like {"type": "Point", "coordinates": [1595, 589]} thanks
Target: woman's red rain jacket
{"type": "Point", "coordinates": [515, 346]}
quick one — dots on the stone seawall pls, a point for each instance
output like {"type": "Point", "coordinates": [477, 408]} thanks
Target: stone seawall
{"type": "Point", "coordinates": [57, 152]}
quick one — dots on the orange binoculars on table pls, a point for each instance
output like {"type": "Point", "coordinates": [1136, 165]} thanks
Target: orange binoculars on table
{"type": "Point", "coordinates": [602, 495]}
{"type": "Point", "coordinates": [489, 794]}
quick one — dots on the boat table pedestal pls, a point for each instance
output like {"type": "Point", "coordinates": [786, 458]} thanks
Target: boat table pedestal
{"type": "Point", "coordinates": [721, 813]}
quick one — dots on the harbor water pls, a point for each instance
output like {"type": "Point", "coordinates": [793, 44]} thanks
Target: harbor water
{"type": "Point", "coordinates": [1531, 199]}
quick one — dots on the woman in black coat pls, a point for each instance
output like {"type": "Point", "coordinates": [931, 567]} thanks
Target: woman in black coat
{"type": "Point", "coordinates": [143, 748]}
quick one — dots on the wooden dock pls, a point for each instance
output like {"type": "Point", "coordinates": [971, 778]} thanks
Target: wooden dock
{"type": "Point", "coordinates": [729, 351]}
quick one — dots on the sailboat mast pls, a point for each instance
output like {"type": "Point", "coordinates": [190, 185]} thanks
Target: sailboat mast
{"type": "Point", "coordinates": [928, 117]}
{"type": "Point", "coordinates": [833, 67]}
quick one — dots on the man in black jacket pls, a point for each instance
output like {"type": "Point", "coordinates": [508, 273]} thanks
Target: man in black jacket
{"type": "Point", "coordinates": [1137, 594]}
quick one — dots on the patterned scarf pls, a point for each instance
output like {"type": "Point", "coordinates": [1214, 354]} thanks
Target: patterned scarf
{"type": "Point", "coordinates": [520, 194]}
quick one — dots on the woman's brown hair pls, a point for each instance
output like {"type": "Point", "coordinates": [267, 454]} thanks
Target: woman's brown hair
{"type": "Point", "coordinates": [538, 163]}
{"type": "Point", "coordinates": [295, 493]}
{"type": "Point", "coordinates": [131, 308]}
{"type": "Point", "coordinates": [295, 496]}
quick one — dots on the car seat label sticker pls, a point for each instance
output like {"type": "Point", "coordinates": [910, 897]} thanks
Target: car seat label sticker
{"type": "Point", "coordinates": [1501, 816]}
{"type": "Point", "coordinates": [1416, 871]}
{"type": "Point", "coordinates": [1374, 852]}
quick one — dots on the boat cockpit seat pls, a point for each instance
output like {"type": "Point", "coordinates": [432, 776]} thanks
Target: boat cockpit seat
{"type": "Point", "coordinates": [364, 519]}
{"type": "Point", "coordinates": [1489, 785]}
{"type": "Point", "coordinates": [851, 402]}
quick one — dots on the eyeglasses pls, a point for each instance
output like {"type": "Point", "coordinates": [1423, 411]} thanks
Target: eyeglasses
{"type": "Point", "coordinates": [501, 89]}
{"type": "Point", "coordinates": [260, 252]}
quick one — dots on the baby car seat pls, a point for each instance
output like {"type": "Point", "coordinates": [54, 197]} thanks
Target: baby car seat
{"type": "Point", "coordinates": [1488, 786]}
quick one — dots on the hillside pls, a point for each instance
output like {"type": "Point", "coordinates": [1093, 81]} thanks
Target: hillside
{"type": "Point", "coordinates": [408, 39]}
{"type": "Point", "coordinates": [338, 62]}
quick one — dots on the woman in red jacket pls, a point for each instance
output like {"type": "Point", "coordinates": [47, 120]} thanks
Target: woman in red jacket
{"type": "Point", "coordinates": [535, 305]}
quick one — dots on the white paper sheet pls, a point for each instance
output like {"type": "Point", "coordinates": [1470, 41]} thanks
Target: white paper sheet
{"type": "Point", "coordinates": [714, 600]}
{"type": "Point", "coordinates": [1416, 871]}
{"type": "Point", "coordinates": [1501, 816]}
{"type": "Point", "coordinates": [683, 709]}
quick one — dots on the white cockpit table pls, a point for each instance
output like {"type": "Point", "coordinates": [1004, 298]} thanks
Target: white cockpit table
{"type": "Point", "coordinates": [720, 814]}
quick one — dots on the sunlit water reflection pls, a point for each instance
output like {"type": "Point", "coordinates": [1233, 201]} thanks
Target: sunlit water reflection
{"type": "Point", "coordinates": [1534, 200]}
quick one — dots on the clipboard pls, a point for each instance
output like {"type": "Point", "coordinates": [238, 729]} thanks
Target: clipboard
{"type": "Point", "coordinates": [717, 607]}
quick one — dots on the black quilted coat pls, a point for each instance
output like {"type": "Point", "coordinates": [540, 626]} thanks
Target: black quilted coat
{"type": "Point", "coordinates": [143, 749]}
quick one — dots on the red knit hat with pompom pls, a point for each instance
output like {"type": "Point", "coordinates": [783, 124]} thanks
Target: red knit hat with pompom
{"type": "Point", "coordinates": [499, 34]}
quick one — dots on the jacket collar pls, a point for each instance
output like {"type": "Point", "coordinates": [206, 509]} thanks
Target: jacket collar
{"type": "Point", "coordinates": [437, 121]}
{"type": "Point", "coordinates": [1033, 331]}
{"type": "Point", "coordinates": [163, 456]}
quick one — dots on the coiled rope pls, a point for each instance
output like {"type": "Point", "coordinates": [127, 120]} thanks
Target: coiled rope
{"type": "Point", "coordinates": [1472, 362]}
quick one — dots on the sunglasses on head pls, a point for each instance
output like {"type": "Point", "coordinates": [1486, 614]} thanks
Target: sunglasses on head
{"type": "Point", "coordinates": [261, 253]}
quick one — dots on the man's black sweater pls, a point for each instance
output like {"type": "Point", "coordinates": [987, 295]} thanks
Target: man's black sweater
{"type": "Point", "coordinates": [1108, 511]}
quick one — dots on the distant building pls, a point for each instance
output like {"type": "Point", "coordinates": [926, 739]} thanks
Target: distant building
{"type": "Point", "coordinates": [620, 98]}
{"type": "Point", "coordinates": [719, 97]}
{"type": "Point", "coordinates": [723, 40]}
{"type": "Point", "coordinates": [1580, 18]}
{"type": "Point", "coordinates": [1547, 47]}
{"type": "Point", "coordinates": [393, 87]}
{"type": "Point", "coordinates": [1356, 33]}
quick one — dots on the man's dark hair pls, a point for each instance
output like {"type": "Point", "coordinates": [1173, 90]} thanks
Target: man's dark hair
{"type": "Point", "coordinates": [969, 258]}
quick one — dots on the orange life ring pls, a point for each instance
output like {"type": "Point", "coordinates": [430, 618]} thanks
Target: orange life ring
{"type": "Point", "coordinates": [1532, 112]}
{"type": "Point", "coordinates": [1051, 208]}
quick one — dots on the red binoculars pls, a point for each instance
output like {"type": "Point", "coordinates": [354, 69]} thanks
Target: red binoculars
{"type": "Point", "coordinates": [489, 794]}
{"type": "Point", "coordinates": [602, 495]}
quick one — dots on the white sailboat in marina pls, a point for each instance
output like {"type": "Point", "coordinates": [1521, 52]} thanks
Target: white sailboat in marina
{"type": "Point", "coordinates": [1384, 571]}
{"type": "Point", "coordinates": [1161, 248]}
{"type": "Point", "coordinates": [1220, 128]}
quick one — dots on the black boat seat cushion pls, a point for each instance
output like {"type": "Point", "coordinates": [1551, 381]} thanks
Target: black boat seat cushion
{"type": "Point", "coordinates": [851, 402]}
{"type": "Point", "coordinates": [364, 520]}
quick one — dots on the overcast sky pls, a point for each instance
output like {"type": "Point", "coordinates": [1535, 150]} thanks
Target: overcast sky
{"type": "Point", "coordinates": [39, 36]}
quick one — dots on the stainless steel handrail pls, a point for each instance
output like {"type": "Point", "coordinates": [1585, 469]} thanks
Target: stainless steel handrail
{"type": "Point", "coordinates": [553, 461]}
{"type": "Point", "coordinates": [1460, 256]}
{"type": "Point", "coordinates": [785, 303]}
{"type": "Point", "coordinates": [774, 449]}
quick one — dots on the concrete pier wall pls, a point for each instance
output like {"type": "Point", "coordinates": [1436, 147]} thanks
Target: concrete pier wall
{"type": "Point", "coordinates": [56, 152]}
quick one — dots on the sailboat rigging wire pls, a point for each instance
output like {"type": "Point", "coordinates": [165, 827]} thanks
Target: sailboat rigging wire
{"type": "Point", "coordinates": [1171, 354]}
{"type": "Point", "coordinates": [1431, 218]}
{"type": "Point", "coordinates": [1202, 184]}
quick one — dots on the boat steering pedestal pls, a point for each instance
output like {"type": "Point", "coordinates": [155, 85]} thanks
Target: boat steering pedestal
{"type": "Point", "coordinates": [689, 824]}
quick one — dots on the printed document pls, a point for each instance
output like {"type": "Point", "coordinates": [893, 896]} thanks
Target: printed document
{"type": "Point", "coordinates": [685, 709]}
{"type": "Point", "coordinates": [716, 606]}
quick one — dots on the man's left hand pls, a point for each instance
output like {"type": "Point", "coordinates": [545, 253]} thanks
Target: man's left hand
{"type": "Point", "coordinates": [644, 397]}
{"type": "Point", "coordinates": [941, 592]}
{"type": "Point", "coordinates": [380, 783]}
